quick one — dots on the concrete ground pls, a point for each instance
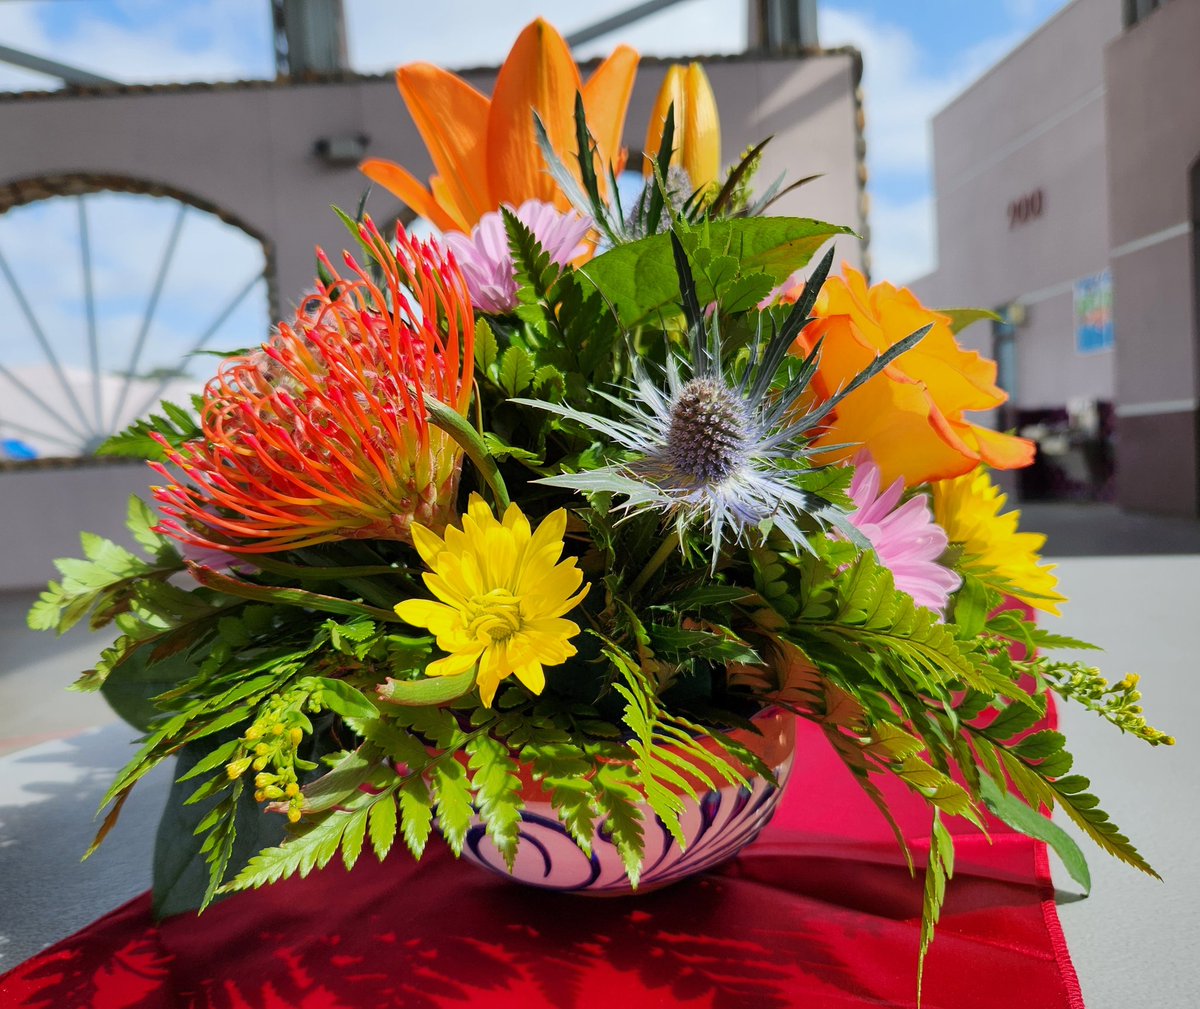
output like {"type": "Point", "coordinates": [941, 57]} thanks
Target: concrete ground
{"type": "Point", "coordinates": [36, 668]}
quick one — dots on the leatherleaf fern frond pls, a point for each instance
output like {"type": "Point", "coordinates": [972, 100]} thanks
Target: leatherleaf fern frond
{"type": "Point", "coordinates": [673, 755]}
{"type": "Point", "coordinates": [1039, 767]}
{"type": "Point", "coordinates": [846, 613]}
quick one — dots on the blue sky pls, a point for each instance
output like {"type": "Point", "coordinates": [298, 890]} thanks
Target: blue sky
{"type": "Point", "coordinates": [918, 54]}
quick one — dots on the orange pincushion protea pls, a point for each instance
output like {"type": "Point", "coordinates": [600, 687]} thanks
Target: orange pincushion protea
{"type": "Point", "coordinates": [323, 434]}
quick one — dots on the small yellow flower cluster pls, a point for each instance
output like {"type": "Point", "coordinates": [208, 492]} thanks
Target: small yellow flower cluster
{"type": "Point", "coordinates": [1118, 702]}
{"type": "Point", "coordinates": [269, 748]}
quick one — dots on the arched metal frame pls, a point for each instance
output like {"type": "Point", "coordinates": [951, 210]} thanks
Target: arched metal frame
{"type": "Point", "coordinates": [92, 426]}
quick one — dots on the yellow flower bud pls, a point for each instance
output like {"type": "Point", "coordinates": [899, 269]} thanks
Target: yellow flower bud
{"type": "Point", "coordinates": [277, 729]}
{"type": "Point", "coordinates": [262, 749]}
{"type": "Point", "coordinates": [697, 125]}
{"type": "Point", "coordinates": [263, 780]}
{"type": "Point", "coordinates": [293, 815]}
{"type": "Point", "coordinates": [296, 735]}
{"type": "Point", "coordinates": [292, 790]}
{"type": "Point", "coordinates": [260, 763]}
{"type": "Point", "coordinates": [235, 769]}
{"type": "Point", "coordinates": [271, 792]}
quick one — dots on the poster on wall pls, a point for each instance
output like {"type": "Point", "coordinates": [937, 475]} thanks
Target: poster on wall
{"type": "Point", "coordinates": [1094, 314]}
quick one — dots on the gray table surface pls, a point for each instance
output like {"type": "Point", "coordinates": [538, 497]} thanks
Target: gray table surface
{"type": "Point", "coordinates": [1134, 941]}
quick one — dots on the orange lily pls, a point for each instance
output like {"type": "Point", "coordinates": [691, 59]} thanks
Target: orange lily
{"type": "Point", "coordinates": [484, 150]}
{"type": "Point", "coordinates": [697, 125]}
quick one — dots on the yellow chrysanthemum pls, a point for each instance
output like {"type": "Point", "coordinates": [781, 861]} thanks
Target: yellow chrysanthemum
{"type": "Point", "coordinates": [968, 508]}
{"type": "Point", "coordinates": [503, 592]}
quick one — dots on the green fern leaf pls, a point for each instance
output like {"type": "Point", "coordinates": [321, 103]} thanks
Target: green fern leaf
{"type": "Point", "coordinates": [453, 802]}
{"type": "Point", "coordinates": [497, 792]}
{"type": "Point", "coordinates": [311, 848]}
{"type": "Point", "coordinates": [353, 835]}
{"type": "Point", "coordinates": [617, 801]}
{"type": "Point", "coordinates": [381, 826]}
{"type": "Point", "coordinates": [940, 869]}
{"type": "Point", "coordinates": [416, 811]}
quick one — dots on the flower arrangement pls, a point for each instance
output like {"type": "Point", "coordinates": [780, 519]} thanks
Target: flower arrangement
{"type": "Point", "coordinates": [569, 498]}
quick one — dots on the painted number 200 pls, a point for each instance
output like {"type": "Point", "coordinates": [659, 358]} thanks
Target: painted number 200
{"type": "Point", "coordinates": [1025, 208]}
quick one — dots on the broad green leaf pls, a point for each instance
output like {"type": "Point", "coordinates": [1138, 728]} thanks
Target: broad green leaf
{"type": "Point", "coordinates": [341, 698]}
{"type": "Point", "coordinates": [1019, 816]}
{"type": "Point", "coordinates": [131, 686]}
{"type": "Point", "coordinates": [641, 281]}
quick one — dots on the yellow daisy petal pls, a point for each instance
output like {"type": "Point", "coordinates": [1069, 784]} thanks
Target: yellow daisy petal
{"type": "Point", "coordinates": [532, 675]}
{"type": "Point", "coordinates": [968, 508]}
{"type": "Point", "coordinates": [425, 613]}
{"type": "Point", "coordinates": [428, 543]}
{"type": "Point", "coordinates": [451, 665]}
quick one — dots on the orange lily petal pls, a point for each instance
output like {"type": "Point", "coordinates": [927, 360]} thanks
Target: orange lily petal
{"type": "Point", "coordinates": [1004, 451]}
{"type": "Point", "coordinates": [606, 100]}
{"type": "Point", "coordinates": [451, 117]}
{"type": "Point", "coordinates": [538, 75]}
{"type": "Point", "coordinates": [701, 129]}
{"type": "Point", "coordinates": [402, 184]}
{"type": "Point", "coordinates": [671, 93]}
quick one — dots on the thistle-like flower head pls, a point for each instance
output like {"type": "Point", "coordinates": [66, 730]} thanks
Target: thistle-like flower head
{"type": "Point", "coordinates": [715, 442]}
{"type": "Point", "coordinates": [323, 433]}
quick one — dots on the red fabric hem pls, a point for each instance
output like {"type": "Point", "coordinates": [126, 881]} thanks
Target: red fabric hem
{"type": "Point", "coordinates": [1058, 941]}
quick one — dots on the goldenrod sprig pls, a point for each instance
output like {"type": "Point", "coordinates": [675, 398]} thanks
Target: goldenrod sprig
{"type": "Point", "coordinates": [1117, 702]}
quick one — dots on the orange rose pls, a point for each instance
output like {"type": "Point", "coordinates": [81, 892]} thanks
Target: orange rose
{"type": "Point", "coordinates": [911, 416]}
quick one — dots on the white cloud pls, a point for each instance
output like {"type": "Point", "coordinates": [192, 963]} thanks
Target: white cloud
{"type": "Point", "coordinates": [902, 239]}
{"type": "Point", "coordinates": [151, 42]}
{"type": "Point", "coordinates": [384, 33]}
{"type": "Point", "coordinates": [903, 89]}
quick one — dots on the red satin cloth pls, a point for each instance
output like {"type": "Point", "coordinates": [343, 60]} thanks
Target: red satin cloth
{"type": "Point", "coordinates": [820, 912]}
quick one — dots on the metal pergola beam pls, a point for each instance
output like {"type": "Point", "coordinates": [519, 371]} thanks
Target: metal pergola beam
{"type": "Point", "coordinates": [52, 68]}
{"type": "Point", "coordinates": [622, 20]}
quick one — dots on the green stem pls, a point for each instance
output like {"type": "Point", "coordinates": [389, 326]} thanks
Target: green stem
{"type": "Point", "coordinates": [665, 549]}
{"type": "Point", "coordinates": [455, 425]}
{"type": "Point", "coordinates": [319, 573]}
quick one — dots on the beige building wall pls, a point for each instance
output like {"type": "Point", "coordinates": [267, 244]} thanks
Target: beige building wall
{"type": "Point", "coordinates": [1153, 81]}
{"type": "Point", "coordinates": [1032, 124]}
{"type": "Point", "coordinates": [247, 152]}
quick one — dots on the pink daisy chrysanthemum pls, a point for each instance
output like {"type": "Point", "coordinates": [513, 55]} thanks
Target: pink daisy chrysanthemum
{"type": "Point", "coordinates": [906, 539]}
{"type": "Point", "coordinates": [485, 260]}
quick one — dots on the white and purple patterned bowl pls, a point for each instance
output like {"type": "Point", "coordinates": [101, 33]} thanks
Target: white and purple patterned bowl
{"type": "Point", "coordinates": [717, 824]}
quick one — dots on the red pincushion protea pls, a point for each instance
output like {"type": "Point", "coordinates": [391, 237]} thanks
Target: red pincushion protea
{"type": "Point", "coordinates": [323, 433]}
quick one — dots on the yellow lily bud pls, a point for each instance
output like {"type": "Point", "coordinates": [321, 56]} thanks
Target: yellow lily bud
{"type": "Point", "coordinates": [697, 124]}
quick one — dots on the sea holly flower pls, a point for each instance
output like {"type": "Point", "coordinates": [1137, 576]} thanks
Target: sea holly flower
{"type": "Point", "coordinates": [911, 418]}
{"type": "Point", "coordinates": [323, 433]}
{"type": "Point", "coordinates": [697, 137]}
{"type": "Point", "coordinates": [968, 508]}
{"type": "Point", "coordinates": [712, 446]}
{"type": "Point", "coordinates": [484, 150]}
{"type": "Point", "coordinates": [486, 260]}
{"type": "Point", "coordinates": [903, 535]}
{"type": "Point", "coordinates": [502, 595]}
